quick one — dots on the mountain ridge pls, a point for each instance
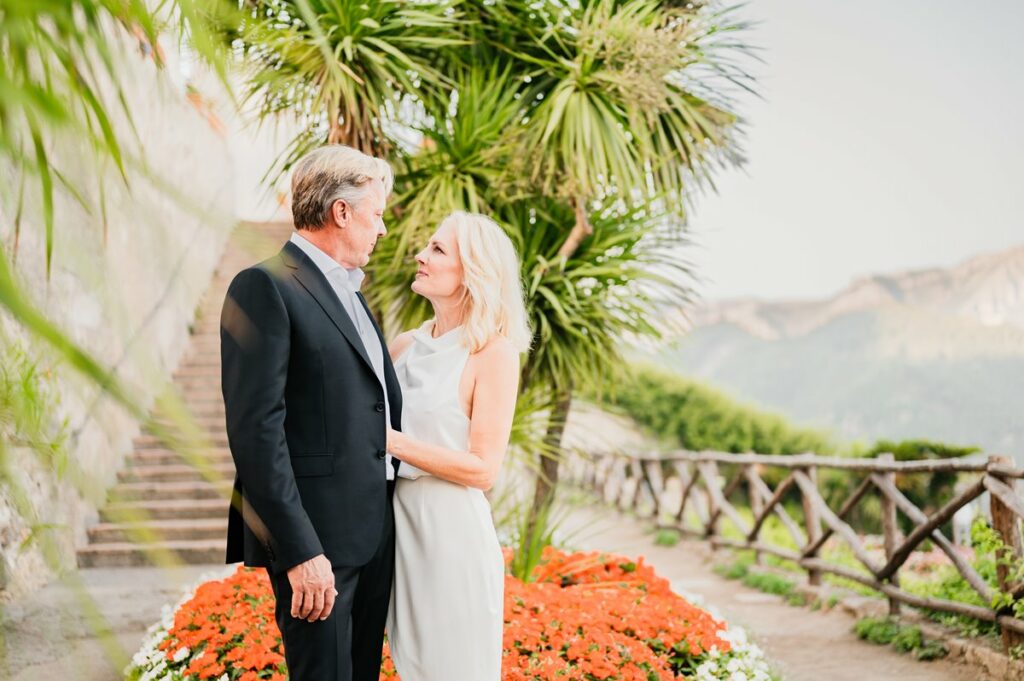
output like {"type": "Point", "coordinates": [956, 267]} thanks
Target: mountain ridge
{"type": "Point", "coordinates": [988, 288]}
{"type": "Point", "coordinates": [933, 354]}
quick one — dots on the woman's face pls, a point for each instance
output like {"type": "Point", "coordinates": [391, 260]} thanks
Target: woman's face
{"type": "Point", "coordinates": [439, 274]}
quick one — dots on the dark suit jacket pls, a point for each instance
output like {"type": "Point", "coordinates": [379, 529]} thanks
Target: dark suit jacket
{"type": "Point", "coordinates": [305, 420]}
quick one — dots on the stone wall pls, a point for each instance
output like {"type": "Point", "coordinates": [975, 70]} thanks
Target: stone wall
{"type": "Point", "coordinates": [126, 278]}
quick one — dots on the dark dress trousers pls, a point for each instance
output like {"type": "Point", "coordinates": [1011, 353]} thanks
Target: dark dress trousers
{"type": "Point", "coordinates": [306, 426]}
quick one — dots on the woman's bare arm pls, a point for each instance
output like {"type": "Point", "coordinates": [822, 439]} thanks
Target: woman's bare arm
{"type": "Point", "coordinates": [490, 424]}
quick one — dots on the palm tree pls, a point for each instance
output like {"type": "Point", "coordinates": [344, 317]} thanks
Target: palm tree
{"type": "Point", "coordinates": [582, 128]}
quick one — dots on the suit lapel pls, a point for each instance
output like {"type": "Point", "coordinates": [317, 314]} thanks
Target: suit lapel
{"type": "Point", "coordinates": [314, 281]}
{"type": "Point", "coordinates": [390, 377]}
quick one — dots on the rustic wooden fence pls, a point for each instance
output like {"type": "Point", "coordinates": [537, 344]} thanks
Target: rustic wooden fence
{"type": "Point", "coordinates": [692, 492]}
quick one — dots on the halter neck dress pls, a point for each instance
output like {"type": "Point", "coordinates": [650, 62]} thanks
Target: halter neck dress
{"type": "Point", "coordinates": [445, 618]}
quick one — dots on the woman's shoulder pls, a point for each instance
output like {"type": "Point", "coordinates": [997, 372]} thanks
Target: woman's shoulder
{"type": "Point", "coordinates": [400, 344]}
{"type": "Point", "coordinates": [498, 349]}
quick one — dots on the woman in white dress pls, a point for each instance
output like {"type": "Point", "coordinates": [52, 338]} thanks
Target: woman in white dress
{"type": "Point", "coordinates": [459, 374]}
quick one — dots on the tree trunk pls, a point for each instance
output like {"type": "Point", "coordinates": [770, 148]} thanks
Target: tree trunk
{"type": "Point", "coordinates": [547, 477]}
{"type": "Point", "coordinates": [580, 231]}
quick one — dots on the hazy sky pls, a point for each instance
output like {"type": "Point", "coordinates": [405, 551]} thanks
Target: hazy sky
{"type": "Point", "coordinates": [889, 138]}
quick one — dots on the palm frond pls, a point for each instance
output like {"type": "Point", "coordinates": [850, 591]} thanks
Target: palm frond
{"type": "Point", "coordinates": [584, 307]}
{"type": "Point", "coordinates": [338, 65]}
{"type": "Point", "coordinates": [612, 104]}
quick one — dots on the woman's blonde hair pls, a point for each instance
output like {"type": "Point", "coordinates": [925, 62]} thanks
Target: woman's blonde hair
{"type": "Point", "coordinates": [491, 275]}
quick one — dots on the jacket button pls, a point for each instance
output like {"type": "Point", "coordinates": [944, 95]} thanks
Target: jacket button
{"type": "Point", "coordinates": [379, 406]}
{"type": "Point", "coordinates": [381, 453]}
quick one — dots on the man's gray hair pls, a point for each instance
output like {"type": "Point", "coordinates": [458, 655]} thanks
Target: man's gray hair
{"type": "Point", "coordinates": [328, 174]}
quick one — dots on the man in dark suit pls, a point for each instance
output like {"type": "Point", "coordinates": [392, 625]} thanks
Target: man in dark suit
{"type": "Point", "coordinates": [308, 390]}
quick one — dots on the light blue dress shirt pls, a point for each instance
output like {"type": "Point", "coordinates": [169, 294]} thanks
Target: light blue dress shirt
{"type": "Point", "coordinates": [345, 283]}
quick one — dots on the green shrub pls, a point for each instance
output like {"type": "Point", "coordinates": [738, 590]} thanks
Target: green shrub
{"type": "Point", "coordinates": [769, 583]}
{"type": "Point", "coordinates": [908, 639]}
{"type": "Point", "coordinates": [797, 599]}
{"type": "Point", "coordinates": [731, 570]}
{"type": "Point", "coordinates": [688, 414]}
{"type": "Point", "coordinates": [946, 583]}
{"type": "Point", "coordinates": [737, 568]}
{"type": "Point", "coordinates": [666, 536]}
{"type": "Point", "coordinates": [880, 630]}
{"type": "Point", "coordinates": [905, 638]}
{"type": "Point", "coordinates": [931, 650]}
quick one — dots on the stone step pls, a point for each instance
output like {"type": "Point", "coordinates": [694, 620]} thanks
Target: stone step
{"type": "Point", "coordinates": [203, 400]}
{"type": "Point", "coordinates": [208, 411]}
{"type": "Point", "coordinates": [198, 370]}
{"type": "Point", "coordinates": [154, 457]}
{"type": "Point", "coordinates": [172, 473]}
{"type": "Point", "coordinates": [159, 491]}
{"type": "Point", "coordinates": [162, 530]}
{"type": "Point", "coordinates": [167, 509]}
{"type": "Point", "coordinates": [204, 344]}
{"type": "Point", "coordinates": [207, 360]}
{"type": "Point", "coordinates": [148, 441]}
{"type": "Point", "coordinates": [205, 421]}
{"type": "Point", "coordinates": [186, 383]}
{"type": "Point", "coordinates": [196, 394]}
{"type": "Point", "coordinates": [127, 554]}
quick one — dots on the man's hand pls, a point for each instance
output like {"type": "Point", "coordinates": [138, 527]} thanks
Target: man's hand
{"type": "Point", "coordinates": [313, 589]}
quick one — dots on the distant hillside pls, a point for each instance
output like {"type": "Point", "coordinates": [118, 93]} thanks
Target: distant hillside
{"type": "Point", "coordinates": [988, 289]}
{"type": "Point", "coordinates": [937, 354]}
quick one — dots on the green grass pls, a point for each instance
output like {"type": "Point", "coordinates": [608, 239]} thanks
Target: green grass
{"type": "Point", "coordinates": [736, 568]}
{"type": "Point", "coordinates": [769, 583]}
{"type": "Point", "coordinates": [878, 630]}
{"type": "Point", "coordinates": [666, 536]}
{"type": "Point", "coordinates": [798, 600]}
{"type": "Point", "coordinates": [905, 638]}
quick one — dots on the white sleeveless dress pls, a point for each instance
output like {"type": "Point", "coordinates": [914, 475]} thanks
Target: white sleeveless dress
{"type": "Point", "coordinates": [445, 618]}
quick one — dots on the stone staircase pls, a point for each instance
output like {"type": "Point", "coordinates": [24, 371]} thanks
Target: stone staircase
{"type": "Point", "coordinates": [185, 514]}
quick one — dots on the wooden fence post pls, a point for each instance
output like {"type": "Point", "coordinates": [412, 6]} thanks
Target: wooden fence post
{"type": "Point", "coordinates": [890, 528]}
{"type": "Point", "coordinates": [756, 500]}
{"type": "Point", "coordinates": [1006, 523]}
{"type": "Point", "coordinates": [812, 524]}
{"type": "Point", "coordinates": [709, 471]}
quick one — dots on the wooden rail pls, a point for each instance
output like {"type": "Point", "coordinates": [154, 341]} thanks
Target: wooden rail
{"type": "Point", "coordinates": [693, 491]}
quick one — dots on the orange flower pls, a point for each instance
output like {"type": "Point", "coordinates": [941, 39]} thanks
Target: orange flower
{"type": "Point", "coordinates": [586, 617]}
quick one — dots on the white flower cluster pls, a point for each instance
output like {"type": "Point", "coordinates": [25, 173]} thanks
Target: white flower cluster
{"type": "Point", "coordinates": [150, 663]}
{"type": "Point", "coordinates": [744, 662]}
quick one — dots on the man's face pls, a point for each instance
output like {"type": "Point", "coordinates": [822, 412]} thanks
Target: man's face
{"type": "Point", "coordinates": [364, 224]}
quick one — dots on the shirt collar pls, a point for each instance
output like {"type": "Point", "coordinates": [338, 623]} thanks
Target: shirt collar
{"type": "Point", "coordinates": [351, 278]}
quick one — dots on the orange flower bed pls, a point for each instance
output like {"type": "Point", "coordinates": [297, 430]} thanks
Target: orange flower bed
{"type": "Point", "coordinates": [586, 616]}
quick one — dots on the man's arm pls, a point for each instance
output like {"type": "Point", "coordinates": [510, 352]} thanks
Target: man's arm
{"type": "Point", "coordinates": [255, 344]}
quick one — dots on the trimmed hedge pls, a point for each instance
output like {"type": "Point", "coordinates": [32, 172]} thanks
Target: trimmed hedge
{"type": "Point", "coordinates": [687, 414]}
